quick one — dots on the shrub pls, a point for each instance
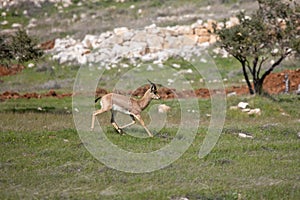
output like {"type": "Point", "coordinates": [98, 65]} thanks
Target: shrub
{"type": "Point", "coordinates": [18, 47]}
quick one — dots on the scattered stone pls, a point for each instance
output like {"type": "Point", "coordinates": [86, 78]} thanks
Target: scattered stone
{"type": "Point", "coordinates": [30, 65]}
{"type": "Point", "coordinates": [245, 135]}
{"type": "Point", "coordinates": [243, 105]}
{"type": "Point", "coordinates": [163, 108]}
{"type": "Point", "coordinates": [246, 110]}
{"type": "Point", "coordinates": [233, 108]}
{"type": "Point", "coordinates": [16, 25]}
{"type": "Point", "coordinates": [177, 66]}
{"type": "Point", "coordinates": [232, 94]}
{"type": "Point", "coordinates": [5, 22]}
{"type": "Point", "coordinates": [255, 111]}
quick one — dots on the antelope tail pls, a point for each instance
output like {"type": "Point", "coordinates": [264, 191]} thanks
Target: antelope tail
{"type": "Point", "coordinates": [97, 99]}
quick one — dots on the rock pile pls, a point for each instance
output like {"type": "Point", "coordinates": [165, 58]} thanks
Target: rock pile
{"type": "Point", "coordinates": [38, 3]}
{"type": "Point", "coordinates": [244, 107]}
{"type": "Point", "coordinates": [152, 43]}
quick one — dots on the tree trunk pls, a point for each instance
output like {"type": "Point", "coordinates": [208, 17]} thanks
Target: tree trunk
{"type": "Point", "coordinates": [258, 86]}
{"type": "Point", "coordinates": [247, 79]}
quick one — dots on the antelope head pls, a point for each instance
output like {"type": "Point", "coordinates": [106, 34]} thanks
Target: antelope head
{"type": "Point", "coordinates": [153, 91]}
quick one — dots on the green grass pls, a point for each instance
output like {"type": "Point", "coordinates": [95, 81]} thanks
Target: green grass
{"type": "Point", "coordinates": [33, 79]}
{"type": "Point", "coordinates": [43, 157]}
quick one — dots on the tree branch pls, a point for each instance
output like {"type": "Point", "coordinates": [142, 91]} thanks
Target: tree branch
{"type": "Point", "coordinates": [283, 56]}
{"type": "Point", "coordinates": [248, 66]}
{"type": "Point", "coordinates": [254, 67]}
{"type": "Point", "coordinates": [260, 65]}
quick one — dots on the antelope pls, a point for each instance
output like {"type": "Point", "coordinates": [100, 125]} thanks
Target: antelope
{"type": "Point", "coordinates": [127, 105]}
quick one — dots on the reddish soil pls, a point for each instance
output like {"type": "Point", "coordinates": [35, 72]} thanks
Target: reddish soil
{"type": "Point", "coordinates": [12, 70]}
{"type": "Point", "coordinates": [274, 84]}
{"type": "Point", "coordinates": [16, 95]}
{"type": "Point", "coordinates": [48, 45]}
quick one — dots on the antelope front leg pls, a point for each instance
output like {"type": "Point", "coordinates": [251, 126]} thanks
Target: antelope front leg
{"type": "Point", "coordinates": [139, 118]}
{"type": "Point", "coordinates": [93, 121]}
{"type": "Point", "coordinates": [94, 117]}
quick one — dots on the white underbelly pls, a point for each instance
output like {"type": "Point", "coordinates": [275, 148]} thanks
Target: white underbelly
{"type": "Point", "coordinates": [120, 109]}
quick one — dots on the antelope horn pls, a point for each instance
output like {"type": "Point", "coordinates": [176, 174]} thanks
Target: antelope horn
{"type": "Point", "coordinates": [150, 82]}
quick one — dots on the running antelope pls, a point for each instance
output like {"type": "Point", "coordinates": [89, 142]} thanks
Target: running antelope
{"type": "Point", "coordinates": [129, 106]}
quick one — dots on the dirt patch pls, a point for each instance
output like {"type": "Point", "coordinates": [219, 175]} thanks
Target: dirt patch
{"type": "Point", "coordinates": [274, 84]}
{"type": "Point", "coordinates": [48, 45]}
{"type": "Point", "coordinates": [12, 70]}
{"type": "Point", "coordinates": [16, 95]}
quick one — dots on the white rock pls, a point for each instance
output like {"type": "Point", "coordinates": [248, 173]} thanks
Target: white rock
{"type": "Point", "coordinates": [188, 40]}
{"type": "Point", "coordinates": [184, 30]}
{"type": "Point", "coordinates": [177, 66]}
{"type": "Point", "coordinates": [89, 40]}
{"type": "Point", "coordinates": [120, 30]}
{"type": "Point", "coordinates": [16, 25]}
{"type": "Point", "coordinates": [246, 110]}
{"type": "Point", "coordinates": [243, 105]}
{"type": "Point", "coordinates": [244, 135]}
{"type": "Point", "coordinates": [150, 68]}
{"type": "Point", "coordinates": [138, 47]}
{"type": "Point", "coordinates": [140, 36]}
{"type": "Point", "coordinates": [30, 65]}
{"type": "Point", "coordinates": [127, 35]}
{"type": "Point", "coordinates": [255, 111]}
{"type": "Point", "coordinates": [155, 43]}
{"type": "Point", "coordinates": [170, 81]}
{"type": "Point", "coordinates": [231, 94]}
{"type": "Point", "coordinates": [233, 108]}
{"type": "Point", "coordinates": [5, 22]}
{"type": "Point", "coordinates": [203, 60]}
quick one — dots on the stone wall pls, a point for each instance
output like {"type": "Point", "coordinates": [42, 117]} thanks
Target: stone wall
{"type": "Point", "coordinates": [151, 43]}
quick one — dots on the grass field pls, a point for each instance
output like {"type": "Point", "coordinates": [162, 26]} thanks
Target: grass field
{"type": "Point", "coordinates": [42, 156]}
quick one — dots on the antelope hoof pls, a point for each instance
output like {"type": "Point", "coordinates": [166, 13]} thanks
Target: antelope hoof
{"type": "Point", "coordinates": [120, 131]}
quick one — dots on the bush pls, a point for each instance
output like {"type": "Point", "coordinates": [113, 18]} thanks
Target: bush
{"type": "Point", "coordinates": [18, 47]}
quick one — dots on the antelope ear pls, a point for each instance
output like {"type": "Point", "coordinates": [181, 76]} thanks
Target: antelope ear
{"type": "Point", "coordinates": [152, 88]}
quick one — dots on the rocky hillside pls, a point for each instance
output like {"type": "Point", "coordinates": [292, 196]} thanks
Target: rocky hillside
{"type": "Point", "coordinates": [51, 19]}
{"type": "Point", "coordinates": [76, 31]}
